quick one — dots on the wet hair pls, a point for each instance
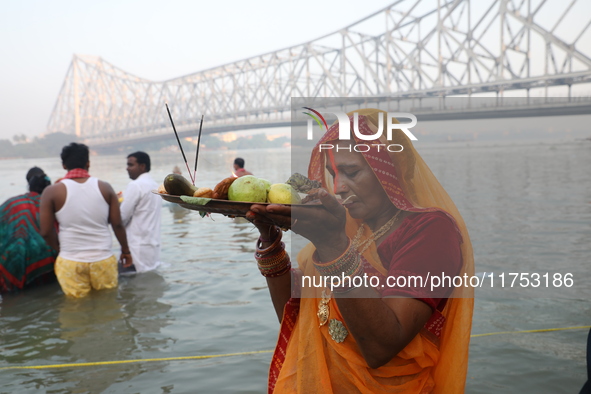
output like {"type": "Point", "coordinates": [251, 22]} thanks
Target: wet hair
{"type": "Point", "coordinates": [38, 183]}
{"type": "Point", "coordinates": [239, 162]}
{"type": "Point", "coordinates": [141, 158]}
{"type": "Point", "coordinates": [37, 180]}
{"type": "Point", "coordinates": [34, 171]}
{"type": "Point", "coordinates": [74, 156]}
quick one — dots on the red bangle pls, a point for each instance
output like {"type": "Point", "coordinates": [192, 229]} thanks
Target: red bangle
{"type": "Point", "coordinates": [270, 249]}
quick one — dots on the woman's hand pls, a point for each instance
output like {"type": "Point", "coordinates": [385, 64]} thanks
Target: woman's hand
{"type": "Point", "coordinates": [323, 225]}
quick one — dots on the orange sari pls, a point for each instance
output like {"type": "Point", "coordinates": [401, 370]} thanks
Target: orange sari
{"type": "Point", "coordinates": [307, 360]}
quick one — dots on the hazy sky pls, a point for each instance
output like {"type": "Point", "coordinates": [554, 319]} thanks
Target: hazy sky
{"type": "Point", "coordinates": [156, 40]}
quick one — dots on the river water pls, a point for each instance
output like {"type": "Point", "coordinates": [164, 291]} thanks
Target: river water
{"type": "Point", "coordinates": [527, 207]}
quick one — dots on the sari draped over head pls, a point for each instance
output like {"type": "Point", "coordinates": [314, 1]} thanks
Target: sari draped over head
{"type": "Point", "coordinates": [306, 359]}
{"type": "Point", "coordinates": [25, 257]}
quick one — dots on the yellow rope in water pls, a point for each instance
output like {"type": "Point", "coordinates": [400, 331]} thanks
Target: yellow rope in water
{"type": "Point", "coordinates": [530, 331]}
{"type": "Point", "coordinates": [141, 360]}
{"type": "Point", "coordinates": [144, 360]}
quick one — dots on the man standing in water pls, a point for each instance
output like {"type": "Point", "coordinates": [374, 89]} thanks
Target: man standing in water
{"type": "Point", "coordinates": [239, 169]}
{"type": "Point", "coordinates": [140, 212]}
{"type": "Point", "coordinates": [83, 206]}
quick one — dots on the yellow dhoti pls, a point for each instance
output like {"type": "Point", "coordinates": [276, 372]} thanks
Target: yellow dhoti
{"type": "Point", "coordinates": [77, 279]}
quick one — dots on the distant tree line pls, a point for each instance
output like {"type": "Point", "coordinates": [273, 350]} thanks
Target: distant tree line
{"type": "Point", "coordinates": [210, 142]}
{"type": "Point", "coordinates": [46, 146]}
{"type": "Point", "coordinates": [51, 145]}
{"type": "Point", "coordinates": [257, 141]}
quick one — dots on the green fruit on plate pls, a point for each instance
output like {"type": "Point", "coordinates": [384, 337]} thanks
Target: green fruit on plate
{"type": "Point", "coordinates": [178, 185]}
{"type": "Point", "coordinates": [267, 184]}
{"type": "Point", "coordinates": [282, 193]}
{"type": "Point", "coordinates": [248, 188]}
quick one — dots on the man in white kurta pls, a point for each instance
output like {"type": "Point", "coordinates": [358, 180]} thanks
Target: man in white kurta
{"type": "Point", "coordinates": [140, 212]}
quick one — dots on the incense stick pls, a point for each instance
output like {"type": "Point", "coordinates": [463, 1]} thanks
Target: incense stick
{"type": "Point", "coordinates": [179, 141]}
{"type": "Point", "coordinates": [197, 152]}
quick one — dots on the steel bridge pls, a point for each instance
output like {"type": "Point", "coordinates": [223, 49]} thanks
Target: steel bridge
{"type": "Point", "coordinates": [410, 51]}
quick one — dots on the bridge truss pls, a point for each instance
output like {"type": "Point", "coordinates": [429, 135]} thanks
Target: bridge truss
{"type": "Point", "coordinates": [412, 48]}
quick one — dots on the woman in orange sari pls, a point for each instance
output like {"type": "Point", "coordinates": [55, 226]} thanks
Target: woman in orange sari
{"type": "Point", "coordinates": [394, 220]}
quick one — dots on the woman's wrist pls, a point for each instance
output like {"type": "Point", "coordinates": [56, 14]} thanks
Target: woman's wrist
{"type": "Point", "coordinates": [343, 269]}
{"type": "Point", "coordinates": [274, 240]}
{"type": "Point", "coordinates": [271, 234]}
{"type": "Point", "coordinates": [274, 260]}
{"type": "Point", "coordinates": [331, 250]}
{"type": "Point", "coordinates": [346, 264]}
